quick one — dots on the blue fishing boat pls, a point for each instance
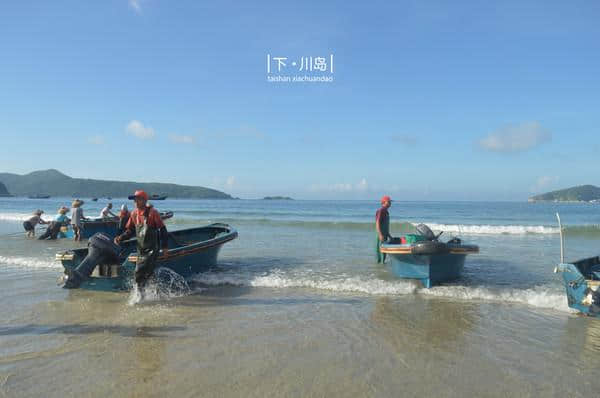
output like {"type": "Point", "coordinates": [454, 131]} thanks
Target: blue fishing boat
{"type": "Point", "coordinates": [423, 257]}
{"type": "Point", "coordinates": [107, 226]}
{"type": "Point", "coordinates": [190, 251]}
{"type": "Point", "coordinates": [158, 197]}
{"type": "Point", "coordinates": [581, 280]}
{"type": "Point", "coordinates": [582, 283]}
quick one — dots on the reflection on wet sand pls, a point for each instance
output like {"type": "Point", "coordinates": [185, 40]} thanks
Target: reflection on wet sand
{"type": "Point", "coordinates": [418, 324]}
{"type": "Point", "coordinates": [581, 337]}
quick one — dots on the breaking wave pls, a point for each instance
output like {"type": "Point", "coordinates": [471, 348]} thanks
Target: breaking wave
{"type": "Point", "coordinates": [541, 297]}
{"type": "Point", "coordinates": [28, 262]}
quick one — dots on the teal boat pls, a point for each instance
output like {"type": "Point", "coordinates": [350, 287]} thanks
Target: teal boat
{"type": "Point", "coordinates": [581, 280]}
{"type": "Point", "coordinates": [424, 258]}
{"type": "Point", "coordinates": [191, 251]}
{"type": "Point", "coordinates": [107, 226]}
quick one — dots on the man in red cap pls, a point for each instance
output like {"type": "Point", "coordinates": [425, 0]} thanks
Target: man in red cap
{"type": "Point", "coordinates": [382, 227]}
{"type": "Point", "coordinates": [146, 224]}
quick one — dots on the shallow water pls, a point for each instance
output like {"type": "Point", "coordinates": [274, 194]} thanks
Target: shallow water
{"type": "Point", "coordinates": [296, 307]}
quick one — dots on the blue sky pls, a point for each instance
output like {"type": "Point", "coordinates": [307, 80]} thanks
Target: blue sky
{"type": "Point", "coordinates": [432, 100]}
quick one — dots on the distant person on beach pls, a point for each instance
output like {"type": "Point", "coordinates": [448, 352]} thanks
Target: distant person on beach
{"type": "Point", "coordinates": [151, 234]}
{"type": "Point", "coordinates": [106, 213]}
{"type": "Point", "coordinates": [76, 218]}
{"type": "Point", "coordinates": [54, 228]}
{"type": "Point", "coordinates": [382, 227]}
{"type": "Point", "coordinates": [123, 218]}
{"type": "Point", "coordinates": [32, 221]}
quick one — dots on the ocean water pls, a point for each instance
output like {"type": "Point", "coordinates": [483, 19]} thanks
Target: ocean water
{"type": "Point", "coordinates": [297, 307]}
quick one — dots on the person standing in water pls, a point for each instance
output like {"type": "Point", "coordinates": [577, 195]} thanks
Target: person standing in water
{"type": "Point", "coordinates": [76, 218]}
{"type": "Point", "coordinates": [151, 233]}
{"type": "Point", "coordinates": [382, 227]}
{"type": "Point", "coordinates": [31, 222]}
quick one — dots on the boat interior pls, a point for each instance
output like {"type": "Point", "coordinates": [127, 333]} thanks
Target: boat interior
{"type": "Point", "coordinates": [589, 267]}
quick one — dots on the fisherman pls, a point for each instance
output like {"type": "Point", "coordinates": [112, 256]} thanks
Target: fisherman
{"type": "Point", "coordinates": [151, 234]}
{"type": "Point", "coordinates": [54, 228]}
{"type": "Point", "coordinates": [76, 218]}
{"type": "Point", "coordinates": [106, 213]}
{"type": "Point", "coordinates": [382, 227]}
{"type": "Point", "coordinates": [123, 218]}
{"type": "Point", "coordinates": [32, 221]}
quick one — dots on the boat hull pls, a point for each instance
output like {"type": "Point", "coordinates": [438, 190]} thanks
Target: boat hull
{"type": "Point", "coordinates": [89, 228]}
{"type": "Point", "coordinates": [185, 259]}
{"type": "Point", "coordinates": [581, 280]}
{"type": "Point", "coordinates": [429, 269]}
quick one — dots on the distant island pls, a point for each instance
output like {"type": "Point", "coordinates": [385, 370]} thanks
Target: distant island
{"type": "Point", "coordinates": [3, 191]}
{"type": "Point", "coordinates": [582, 193]}
{"type": "Point", "coordinates": [277, 198]}
{"type": "Point", "coordinates": [53, 182]}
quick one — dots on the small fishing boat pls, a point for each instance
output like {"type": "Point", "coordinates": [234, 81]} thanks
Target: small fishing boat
{"type": "Point", "coordinates": [157, 197]}
{"type": "Point", "coordinates": [581, 280]}
{"type": "Point", "coordinates": [423, 257]}
{"type": "Point", "coordinates": [94, 199]}
{"type": "Point", "coordinates": [191, 251]}
{"type": "Point", "coordinates": [108, 226]}
{"type": "Point", "coordinates": [39, 196]}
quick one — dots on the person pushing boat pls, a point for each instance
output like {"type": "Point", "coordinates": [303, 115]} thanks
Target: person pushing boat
{"type": "Point", "coordinates": [107, 213]}
{"type": "Point", "coordinates": [151, 234]}
{"type": "Point", "coordinates": [382, 227]}
{"type": "Point", "coordinates": [53, 229]}
{"type": "Point", "coordinates": [31, 222]}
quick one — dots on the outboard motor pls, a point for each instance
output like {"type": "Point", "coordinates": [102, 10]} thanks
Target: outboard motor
{"type": "Point", "coordinates": [101, 250]}
{"type": "Point", "coordinates": [425, 231]}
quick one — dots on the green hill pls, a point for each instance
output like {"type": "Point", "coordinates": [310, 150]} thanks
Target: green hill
{"type": "Point", "coordinates": [55, 183]}
{"type": "Point", "coordinates": [582, 193]}
{"type": "Point", "coordinates": [3, 190]}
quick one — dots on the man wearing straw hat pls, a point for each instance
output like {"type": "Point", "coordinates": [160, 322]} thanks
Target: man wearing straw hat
{"type": "Point", "coordinates": [76, 218]}
{"type": "Point", "coordinates": [54, 228]}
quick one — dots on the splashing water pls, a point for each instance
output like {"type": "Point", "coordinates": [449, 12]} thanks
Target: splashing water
{"type": "Point", "coordinates": [165, 284]}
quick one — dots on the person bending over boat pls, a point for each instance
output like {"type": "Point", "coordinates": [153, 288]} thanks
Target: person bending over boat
{"type": "Point", "coordinates": [382, 227]}
{"type": "Point", "coordinates": [54, 228]}
{"type": "Point", "coordinates": [106, 213]}
{"type": "Point", "coordinates": [150, 231]}
{"type": "Point", "coordinates": [32, 221]}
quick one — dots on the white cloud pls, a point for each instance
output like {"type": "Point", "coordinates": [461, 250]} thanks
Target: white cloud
{"type": "Point", "coordinates": [182, 139]}
{"type": "Point", "coordinates": [136, 5]}
{"type": "Point", "coordinates": [137, 129]}
{"type": "Point", "coordinates": [543, 183]}
{"type": "Point", "coordinates": [361, 186]}
{"type": "Point", "coordinates": [230, 182]}
{"type": "Point", "coordinates": [516, 138]}
{"type": "Point", "coordinates": [96, 140]}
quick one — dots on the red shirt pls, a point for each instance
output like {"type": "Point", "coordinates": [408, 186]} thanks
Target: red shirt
{"type": "Point", "coordinates": [137, 218]}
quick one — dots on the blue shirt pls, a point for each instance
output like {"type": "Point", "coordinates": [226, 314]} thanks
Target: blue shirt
{"type": "Point", "coordinates": [61, 218]}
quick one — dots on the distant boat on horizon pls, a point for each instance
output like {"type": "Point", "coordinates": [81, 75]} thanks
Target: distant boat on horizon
{"type": "Point", "coordinates": [94, 199]}
{"type": "Point", "coordinates": [39, 196]}
{"type": "Point", "coordinates": [158, 197]}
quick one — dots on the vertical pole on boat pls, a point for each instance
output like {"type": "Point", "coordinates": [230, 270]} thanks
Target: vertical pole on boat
{"type": "Point", "coordinates": [562, 240]}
